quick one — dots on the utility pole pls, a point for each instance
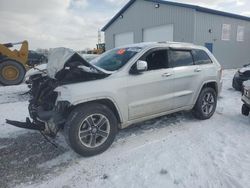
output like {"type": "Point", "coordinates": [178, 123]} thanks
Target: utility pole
{"type": "Point", "coordinates": [99, 37]}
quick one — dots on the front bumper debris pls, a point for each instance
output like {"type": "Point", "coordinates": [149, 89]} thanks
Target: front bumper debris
{"type": "Point", "coordinates": [48, 122]}
{"type": "Point", "coordinates": [38, 126]}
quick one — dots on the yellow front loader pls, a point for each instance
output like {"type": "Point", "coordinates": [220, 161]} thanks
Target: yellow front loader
{"type": "Point", "coordinates": [13, 63]}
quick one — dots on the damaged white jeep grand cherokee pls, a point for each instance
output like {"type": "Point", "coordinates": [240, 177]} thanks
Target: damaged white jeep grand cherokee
{"type": "Point", "coordinates": [91, 101]}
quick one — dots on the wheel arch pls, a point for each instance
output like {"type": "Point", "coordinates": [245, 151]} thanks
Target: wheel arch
{"type": "Point", "coordinates": [105, 101]}
{"type": "Point", "coordinates": [212, 84]}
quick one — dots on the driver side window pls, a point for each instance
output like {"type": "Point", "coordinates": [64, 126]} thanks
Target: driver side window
{"type": "Point", "coordinates": [156, 59]}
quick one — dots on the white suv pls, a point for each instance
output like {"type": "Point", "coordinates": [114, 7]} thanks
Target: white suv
{"type": "Point", "coordinates": [126, 85]}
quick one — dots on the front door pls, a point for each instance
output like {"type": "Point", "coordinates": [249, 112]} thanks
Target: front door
{"type": "Point", "coordinates": [151, 92]}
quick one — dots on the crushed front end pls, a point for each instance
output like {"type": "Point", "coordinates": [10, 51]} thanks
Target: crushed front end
{"type": "Point", "coordinates": [48, 115]}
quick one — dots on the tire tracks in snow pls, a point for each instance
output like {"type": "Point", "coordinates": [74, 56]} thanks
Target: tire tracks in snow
{"type": "Point", "coordinates": [21, 159]}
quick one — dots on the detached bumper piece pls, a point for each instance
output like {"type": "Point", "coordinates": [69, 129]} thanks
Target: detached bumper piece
{"type": "Point", "coordinates": [47, 122]}
{"type": "Point", "coordinates": [38, 126]}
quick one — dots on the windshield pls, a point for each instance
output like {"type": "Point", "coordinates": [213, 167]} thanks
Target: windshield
{"type": "Point", "coordinates": [115, 59]}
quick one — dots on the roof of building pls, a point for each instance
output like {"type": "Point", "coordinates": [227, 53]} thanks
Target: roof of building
{"type": "Point", "coordinates": [195, 7]}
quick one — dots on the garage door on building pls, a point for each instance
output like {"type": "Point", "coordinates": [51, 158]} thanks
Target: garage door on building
{"type": "Point", "coordinates": [159, 34]}
{"type": "Point", "coordinates": [124, 38]}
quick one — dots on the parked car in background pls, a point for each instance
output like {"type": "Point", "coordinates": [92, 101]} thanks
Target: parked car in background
{"type": "Point", "coordinates": [126, 85]}
{"type": "Point", "coordinates": [241, 76]}
{"type": "Point", "coordinates": [246, 98]}
{"type": "Point", "coordinates": [35, 58]}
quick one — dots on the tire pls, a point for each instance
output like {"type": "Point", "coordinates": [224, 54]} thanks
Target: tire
{"type": "Point", "coordinates": [206, 104]}
{"type": "Point", "coordinates": [82, 127]}
{"type": "Point", "coordinates": [245, 110]}
{"type": "Point", "coordinates": [11, 72]}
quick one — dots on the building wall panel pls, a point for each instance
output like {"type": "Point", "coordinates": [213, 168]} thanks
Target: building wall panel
{"type": "Point", "coordinates": [143, 14]}
{"type": "Point", "coordinates": [230, 53]}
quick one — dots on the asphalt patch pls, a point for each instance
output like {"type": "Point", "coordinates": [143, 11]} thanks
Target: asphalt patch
{"type": "Point", "coordinates": [21, 159]}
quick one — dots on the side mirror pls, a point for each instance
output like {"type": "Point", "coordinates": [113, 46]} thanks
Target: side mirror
{"type": "Point", "coordinates": [141, 66]}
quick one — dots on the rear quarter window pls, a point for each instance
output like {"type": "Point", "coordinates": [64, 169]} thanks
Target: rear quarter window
{"type": "Point", "coordinates": [201, 57]}
{"type": "Point", "coordinates": [181, 58]}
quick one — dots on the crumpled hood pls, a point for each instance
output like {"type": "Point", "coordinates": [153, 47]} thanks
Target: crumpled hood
{"type": "Point", "coordinates": [39, 69]}
{"type": "Point", "coordinates": [58, 57]}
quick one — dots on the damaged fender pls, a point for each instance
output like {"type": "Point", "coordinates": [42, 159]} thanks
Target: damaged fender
{"type": "Point", "coordinates": [46, 108]}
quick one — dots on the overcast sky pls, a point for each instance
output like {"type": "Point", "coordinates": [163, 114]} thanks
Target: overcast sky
{"type": "Point", "coordinates": [74, 23]}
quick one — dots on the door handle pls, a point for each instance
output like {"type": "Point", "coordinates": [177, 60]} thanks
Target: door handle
{"type": "Point", "coordinates": [197, 70]}
{"type": "Point", "coordinates": [167, 74]}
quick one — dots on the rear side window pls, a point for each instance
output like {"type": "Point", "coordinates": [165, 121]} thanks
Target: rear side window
{"type": "Point", "coordinates": [201, 57]}
{"type": "Point", "coordinates": [181, 58]}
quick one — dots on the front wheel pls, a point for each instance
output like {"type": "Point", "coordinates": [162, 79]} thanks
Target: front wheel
{"type": "Point", "coordinates": [91, 129]}
{"type": "Point", "coordinates": [206, 104]}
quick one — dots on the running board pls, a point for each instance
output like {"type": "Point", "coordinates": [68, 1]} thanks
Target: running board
{"type": "Point", "coordinates": [27, 125]}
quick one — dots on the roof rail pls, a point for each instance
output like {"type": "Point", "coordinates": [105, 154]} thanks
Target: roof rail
{"type": "Point", "coordinates": [170, 42]}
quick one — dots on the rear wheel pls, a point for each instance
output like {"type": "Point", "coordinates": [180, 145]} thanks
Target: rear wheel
{"type": "Point", "coordinates": [206, 104]}
{"type": "Point", "coordinates": [11, 72]}
{"type": "Point", "coordinates": [91, 129]}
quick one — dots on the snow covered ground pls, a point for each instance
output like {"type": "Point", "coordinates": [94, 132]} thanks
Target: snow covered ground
{"type": "Point", "coordinates": [171, 151]}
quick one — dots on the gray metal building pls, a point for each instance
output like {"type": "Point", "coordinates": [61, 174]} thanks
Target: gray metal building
{"type": "Point", "coordinates": [226, 35]}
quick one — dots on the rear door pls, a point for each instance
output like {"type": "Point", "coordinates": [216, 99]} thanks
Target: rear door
{"type": "Point", "coordinates": [151, 92]}
{"type": "Point", "coordinates": [206, 65]}
{"type": "Point", "coordinates": [187, 77]}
